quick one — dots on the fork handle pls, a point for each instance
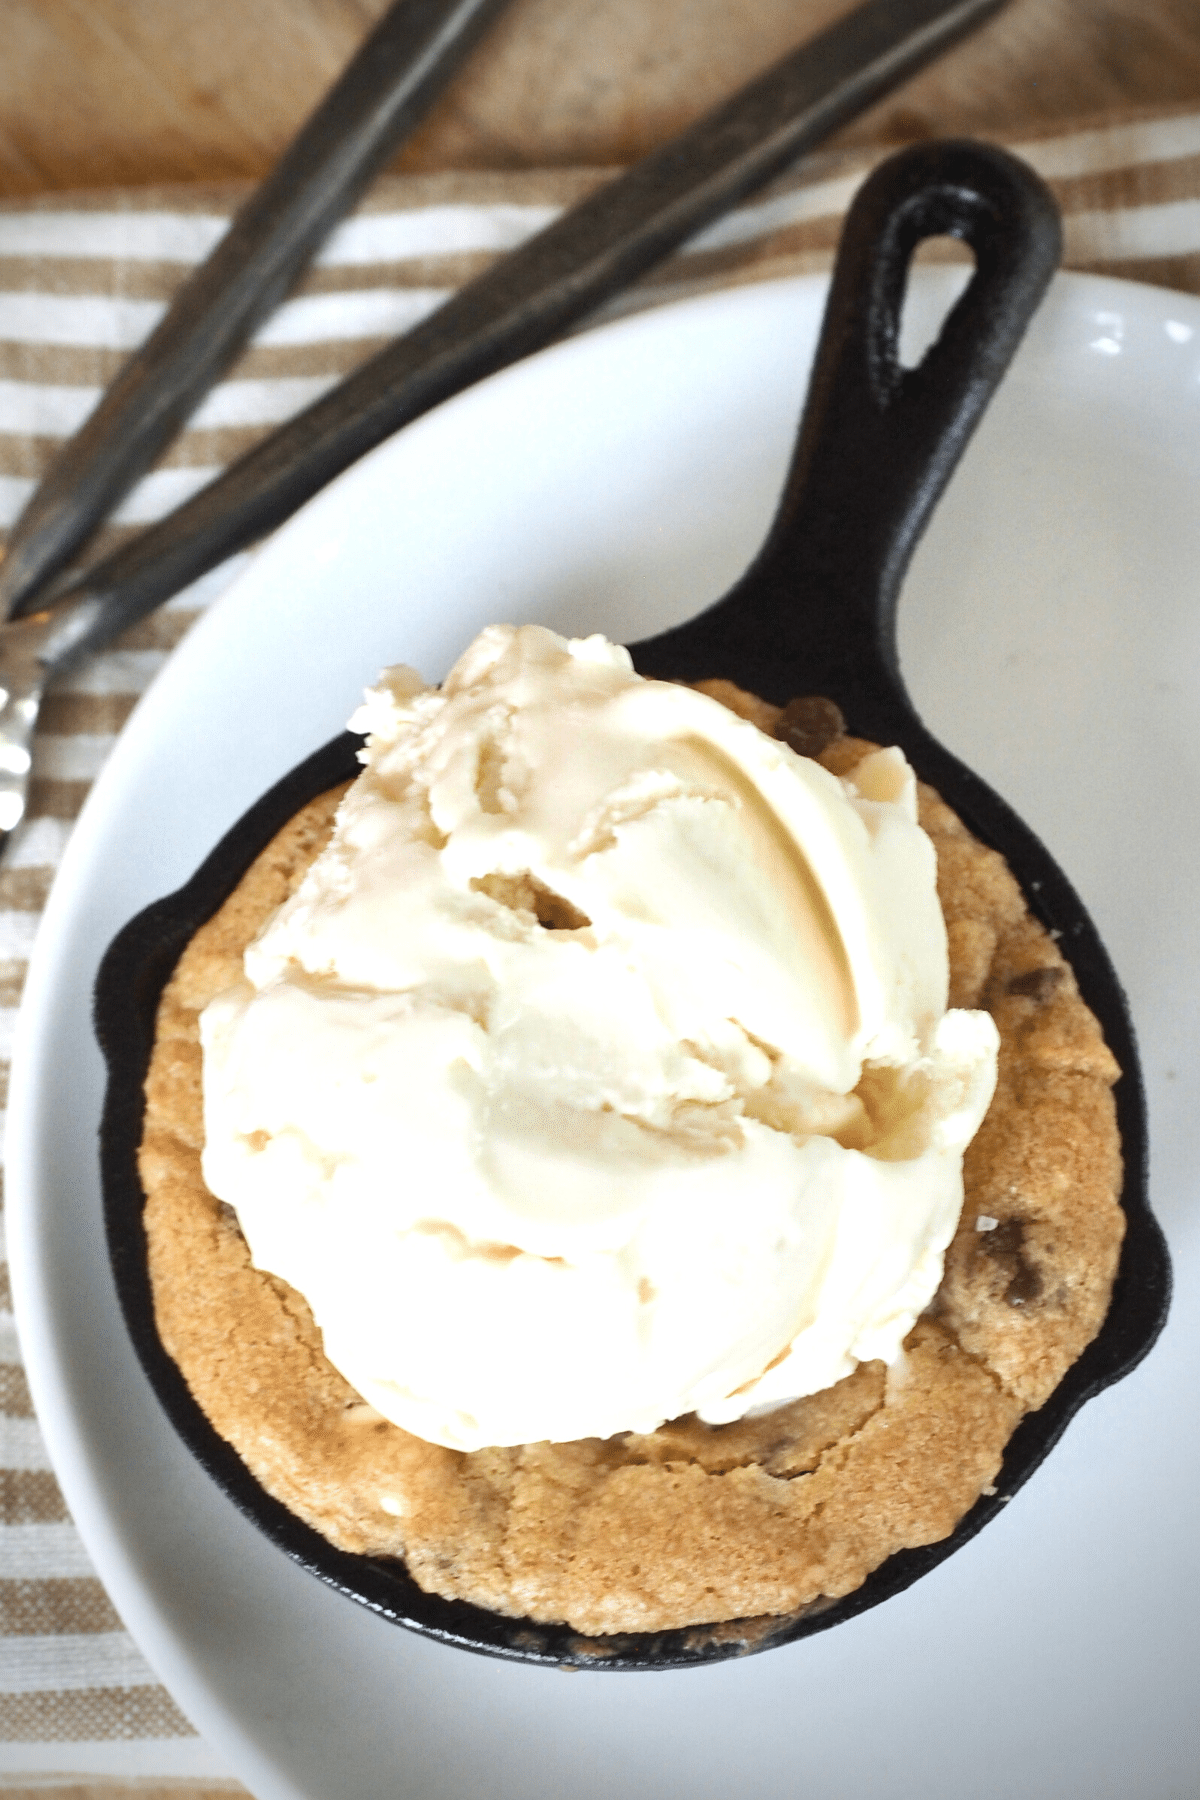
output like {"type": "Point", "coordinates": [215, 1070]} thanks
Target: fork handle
{"type": "Point", "coordinates": [387, 88]}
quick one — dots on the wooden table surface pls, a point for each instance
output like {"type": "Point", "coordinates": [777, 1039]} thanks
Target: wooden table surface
{"type": "Point", "coordinates": [100, 93]}
{"type": "Point", "coordinates": [97, 93]}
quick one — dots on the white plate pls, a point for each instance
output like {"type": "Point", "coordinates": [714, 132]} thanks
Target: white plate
{"type": "Point", "coordinates": [1051, 634]}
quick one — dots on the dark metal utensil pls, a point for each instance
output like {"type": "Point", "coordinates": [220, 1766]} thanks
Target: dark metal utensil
{"type": "Point", "coordinates": [385, 91]}
{"type": "Point", "coordinates": [516, 307]}
{"type": "Point", "coordinates": [815, 613]}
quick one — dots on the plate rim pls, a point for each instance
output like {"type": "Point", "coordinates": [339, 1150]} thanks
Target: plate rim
{"type": "Point", "coordinates": [22, 1202]}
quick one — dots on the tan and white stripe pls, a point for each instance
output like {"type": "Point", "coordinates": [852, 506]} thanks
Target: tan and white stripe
{"type": "Point", "coordinates": [68, 1668]}
{"type": "Point", "coordinates": [82, 280]}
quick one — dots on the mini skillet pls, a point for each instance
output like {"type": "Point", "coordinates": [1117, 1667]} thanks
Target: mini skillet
{"type": "Point", "coordinates": [814, 615]}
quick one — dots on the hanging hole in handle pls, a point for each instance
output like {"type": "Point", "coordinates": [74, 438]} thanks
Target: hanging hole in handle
{"type": "Point", "coordinates": [925, 309]}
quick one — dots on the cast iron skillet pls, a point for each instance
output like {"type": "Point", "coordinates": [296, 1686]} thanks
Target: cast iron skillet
{"type": "Point", "coordinates": [815, 614]}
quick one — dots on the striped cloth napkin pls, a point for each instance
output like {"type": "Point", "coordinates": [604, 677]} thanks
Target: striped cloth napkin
{"type": "Point", "coordinates": [82, 280]}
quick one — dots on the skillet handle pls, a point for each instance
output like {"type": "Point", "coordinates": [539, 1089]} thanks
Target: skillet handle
{"type": "Point", "coordinates": [816, 611]}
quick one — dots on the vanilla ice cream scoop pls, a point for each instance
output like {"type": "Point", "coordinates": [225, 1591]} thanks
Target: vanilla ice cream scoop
{"type": "Point", "coordinates": [599, 1070]}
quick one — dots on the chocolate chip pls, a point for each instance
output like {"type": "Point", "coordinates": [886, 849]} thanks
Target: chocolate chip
{"type": "Point", "coordinates": [810, 724]}
{"type": "Point", "coordinates": [1026, 1285]}
{"type": "Point", "coordinates": [1006, 1247]}
{"type": "Point", "coordinates": [1036, 984]}
{"type": "Point", "coordinates": [228, 1216]}
{"type": "Point", "coordinates": [554, 913]}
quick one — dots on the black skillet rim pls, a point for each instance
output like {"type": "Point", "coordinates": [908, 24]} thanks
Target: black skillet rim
{"type": "Point", "coordinates": [131, 978]}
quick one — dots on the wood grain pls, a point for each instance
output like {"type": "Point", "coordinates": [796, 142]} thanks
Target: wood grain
{"type": "Point", "coordinates": [114, 92]}
{"type": "Point", "coordinates": [54, 1787]}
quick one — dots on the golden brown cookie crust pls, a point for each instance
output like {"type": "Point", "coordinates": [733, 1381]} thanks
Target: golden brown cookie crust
{"type": "Point", "coordinates": [691, 1523]}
